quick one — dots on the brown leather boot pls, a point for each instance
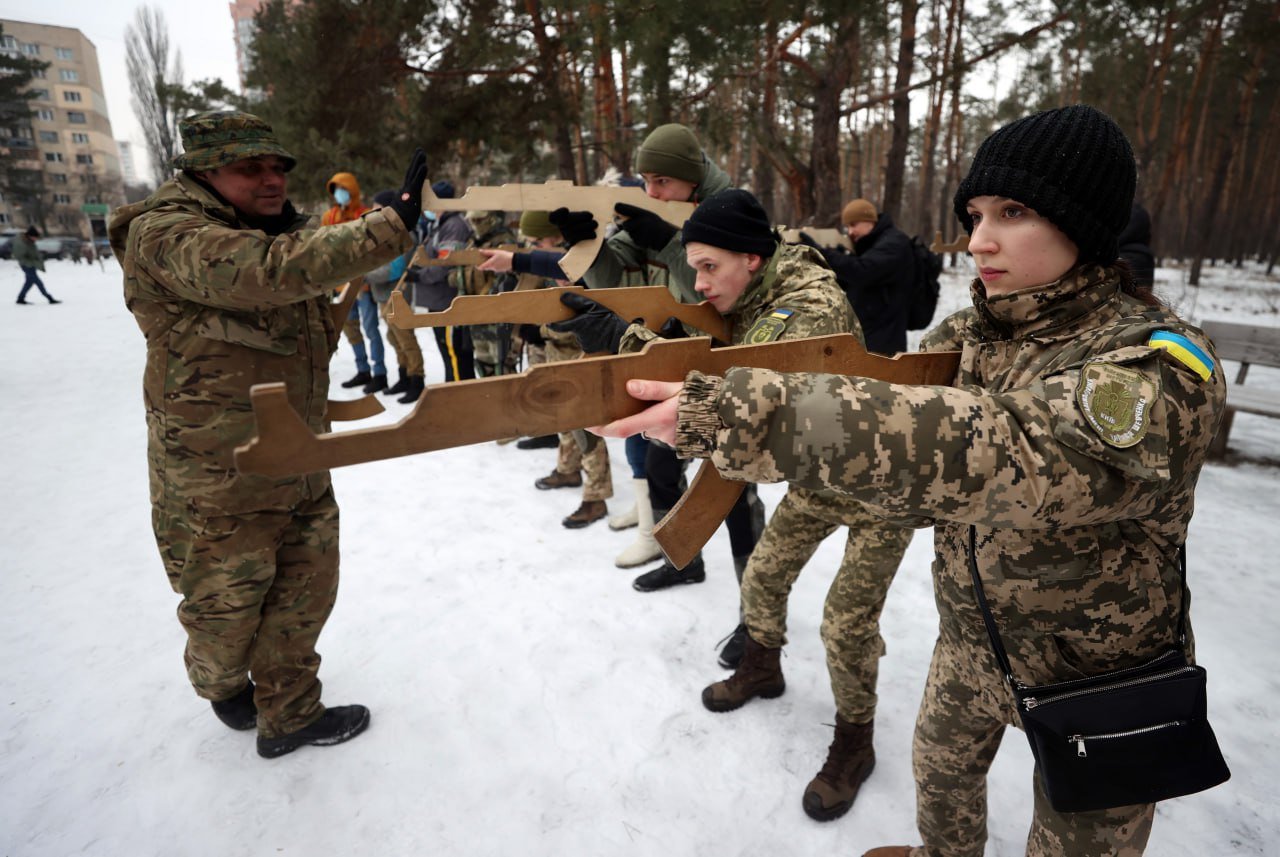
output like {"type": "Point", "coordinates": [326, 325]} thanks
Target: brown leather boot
{"type": "Point", "coordinates": [556, 479]}
{"type": "Point", "coordinates": [889, 851]}
{"type": "Point", "coordinates": [850, 760]}
{"type": "Point", "coordinates": [589, 512]}
{"type": "Point", "coordinates": [758, 674]}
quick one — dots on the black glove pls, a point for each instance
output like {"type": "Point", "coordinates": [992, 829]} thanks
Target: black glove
{"type": "Point", "coordinates": [648, 229]}
{"type": "Point", "coordinates": [574, 226]}
{"type": "Point", "coordinates": [807, 240]}
{"type": "Point", "coordinates": [408, 203]}
{"type": "Point", "coordinates": [673, 328]}
{"type": "Point", "coordinates": [596, 327]}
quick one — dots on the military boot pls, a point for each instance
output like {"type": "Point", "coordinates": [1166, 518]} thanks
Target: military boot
{"type": "Point", "coordinates": [400, 387]}
{"type": "Point", "coordinates": [850, 760]}
{"type": "Point", "coordinates": [589, 512]}
{"type": "Point", "coordinates": [334, 726]}
{"type": "Point", "coordinates": [357, 380]}
{"type": "Point", "coordinates": [758, 674]}
{"type": "Point", "coordinates": [889, 851]}
{"type": "Point", "coordinates": [417, 383]}
{"type": "Point", "coordinates": [376, 383]}
{"type": "Point", "coordinates": [556, 479]}
{"type": "Point", "coordinates": [238, 712]}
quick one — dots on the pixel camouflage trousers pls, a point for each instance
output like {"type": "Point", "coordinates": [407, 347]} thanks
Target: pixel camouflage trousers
{"type": "Point", "coordinates": [958, 730]}
{"type": "Point", "coordinates": [851, 612]}
{"type": "Point", "coordinates": [256, 591]}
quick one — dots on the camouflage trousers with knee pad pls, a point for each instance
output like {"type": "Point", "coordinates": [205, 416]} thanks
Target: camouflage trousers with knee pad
{"type": "Point", "coordinates": [963, 716]}
{"type": "Point", "coordinates": [256, 590]}
{"type": "Point", "coordinates": [851, 612]}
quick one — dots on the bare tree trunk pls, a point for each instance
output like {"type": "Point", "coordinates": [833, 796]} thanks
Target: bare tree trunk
{"type": "Point", "coordinates": [1232, 138]}
{"type": "Point", "coordinates": [933, 120]}
{"type": "Point", "coordinates": [1148, 131]}
{"type": "Point", "coordinates": [154, 81]}
{"type": "Point", "coordinates": [897, 158]}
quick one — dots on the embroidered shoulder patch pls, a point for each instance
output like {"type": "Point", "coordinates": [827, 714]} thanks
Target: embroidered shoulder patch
{"type": "Point", "coordinates": [768, 328]}
{"type": "Point", "coordinates": [1116, 402]}
{"type": "Point", "coordinates": [1184, 351]}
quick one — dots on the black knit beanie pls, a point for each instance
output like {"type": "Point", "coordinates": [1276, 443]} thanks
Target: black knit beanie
{"type": "Point", "coordinates": [731, 220]}
{"type": "Point", "coordinates": [1072, 165]}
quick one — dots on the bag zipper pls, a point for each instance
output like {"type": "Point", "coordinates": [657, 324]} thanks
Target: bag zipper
{"type": "Point", "coordinates": [1063, 685]}
{"type": "Point", "coordinates": [1030, 702]}
{"type": "Point", "coordinates": [1079, 740]}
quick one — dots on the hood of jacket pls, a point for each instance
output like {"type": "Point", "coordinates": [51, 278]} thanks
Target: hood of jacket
{"type": "Point", "coordinates": [713, 181]}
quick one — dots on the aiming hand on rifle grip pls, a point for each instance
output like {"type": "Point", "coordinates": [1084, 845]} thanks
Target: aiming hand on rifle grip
{"type": "Point", "coordinates": [657, 422]}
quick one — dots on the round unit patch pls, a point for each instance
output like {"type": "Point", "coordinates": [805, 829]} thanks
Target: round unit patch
{"type": "Point", "coordinates": [1116, 402]}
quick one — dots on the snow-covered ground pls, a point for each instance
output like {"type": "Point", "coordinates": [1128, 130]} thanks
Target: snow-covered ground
{"type": "Point", "coordinates": [525, 699]}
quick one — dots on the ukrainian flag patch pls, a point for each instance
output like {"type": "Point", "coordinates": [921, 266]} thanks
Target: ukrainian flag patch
{"type": "Point", "coordinates": [769, 328]}
{"type": "Point", "coordinates": [1184, 351]}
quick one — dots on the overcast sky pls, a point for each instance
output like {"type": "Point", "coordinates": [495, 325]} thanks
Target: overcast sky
{"type": "Point", "coordinates": [200, 29]}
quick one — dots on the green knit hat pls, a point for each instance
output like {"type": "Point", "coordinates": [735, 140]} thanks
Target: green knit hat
{"type": "Point", "coordinates": [216, 138]}
{"type": "Point", "coordinates": [672, 150]}
{"type": "Point", "coordinates": [537, 224]}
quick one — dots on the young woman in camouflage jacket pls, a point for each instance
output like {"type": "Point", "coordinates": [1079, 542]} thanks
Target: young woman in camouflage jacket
{"type": "Point", "coordinates": [1072, 441]}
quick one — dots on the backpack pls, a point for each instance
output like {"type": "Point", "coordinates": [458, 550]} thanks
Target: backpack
{"type": "Point", "coordinates": [925, 289]}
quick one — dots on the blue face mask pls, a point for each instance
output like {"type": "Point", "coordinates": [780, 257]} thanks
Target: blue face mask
{"type": "Point", "coordinates": [429, 215]}
{"type": "Point", "coordinates": [341, 196]}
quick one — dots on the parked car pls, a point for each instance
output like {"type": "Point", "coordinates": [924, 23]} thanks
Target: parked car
{"type": "Point", "coordinates": [59, 247]}
{"type": "Point", "coordinates": [6, 243]}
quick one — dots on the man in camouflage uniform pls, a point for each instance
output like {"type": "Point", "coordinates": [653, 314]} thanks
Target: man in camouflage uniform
{"type": "Point", "coordinates": [646, 250]}
{"type": "Point", "coordinates": [1071, 443]}
{"type": "Point", "coordinates": [491, 344]}
{"type": "Point", "coordinates": [771, 291]}
{"type": "Point", "coordinates": [230, 286]}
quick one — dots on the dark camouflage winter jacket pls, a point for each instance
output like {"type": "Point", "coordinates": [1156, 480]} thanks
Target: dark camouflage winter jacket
{"type": "Point", "coordinates": [224, 307]}
{"type": "Point", "coordinates": [1072, 440]}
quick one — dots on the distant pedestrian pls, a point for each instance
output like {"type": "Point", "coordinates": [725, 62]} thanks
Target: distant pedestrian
{"type": "Point", "coordinates": [28, 258]}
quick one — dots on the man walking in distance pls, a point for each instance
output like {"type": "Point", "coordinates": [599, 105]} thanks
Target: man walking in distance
{"type": "Point", "coordinates": [231, 286]}
{"type": "Point", "coordinates": [27, 255]}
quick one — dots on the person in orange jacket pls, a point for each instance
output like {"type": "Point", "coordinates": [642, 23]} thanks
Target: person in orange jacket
{"type": "Point", "coordinates": [371, 375]}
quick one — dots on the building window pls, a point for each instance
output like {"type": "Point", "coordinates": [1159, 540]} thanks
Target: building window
{"type": "Point", "coordinates": [57, 178]}
{"type": "Point", "coordinates": [84, 159]}
{"type": "Point", "coordinates": [62, 198]}
{"type": "Point", "coordinates": [53, 157]}
{"type": "Point", "coordinates": [69, 75]}
{"type": "Point", "coordinates": [31, 49]}
{"type": "Point", "coordinates": [24, 132]}
{"type": "Point", "coordinates": [71, 95]}
{"type": "Point", "coordinates": [9, 43]}
{"type": "Point", "coordinates": [64, 53]}
{"type": "Point", "coordinates": [48, 136]}
{"type": "Point", "coordinates": [77, 137]}
{"type": "Point", "coordinates": [40, 94]}
{"type": "Point", "coordinates": [4, 218]}
{"type": "Point", "coordinates": [75, 117]}
{"type": "Point", "coordinates": [39, 73]}
{"type": "Point", "coordinates": [45, 115]}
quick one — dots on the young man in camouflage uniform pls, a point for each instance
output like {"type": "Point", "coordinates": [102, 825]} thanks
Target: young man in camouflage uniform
{"type": "Point", "coordinates": [491, 344]}
{"type": "Point", "coordinates": [1067, 454]}
{"type": "Point", "coordinates": [231, 286]}
{"type": "Point", "coordinates": [647, 250]}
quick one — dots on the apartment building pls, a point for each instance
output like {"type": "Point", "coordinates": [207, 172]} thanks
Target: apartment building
{"type": "Point", "coordinates": [66, 149]}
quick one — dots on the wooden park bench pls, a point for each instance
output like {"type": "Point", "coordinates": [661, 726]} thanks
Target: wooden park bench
{"type": "Point", "coordinates": [1246, 344]}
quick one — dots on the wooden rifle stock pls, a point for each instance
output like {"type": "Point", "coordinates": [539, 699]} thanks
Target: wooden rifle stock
{"type": "Point", "coordinates": [653, 305]}
{"type": "Point", "coordinates": [561, 194]}
{"type": "Point", "coordinates": [556, 397]}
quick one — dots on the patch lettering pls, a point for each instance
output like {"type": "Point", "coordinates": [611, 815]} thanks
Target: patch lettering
{"type": "Point", "coordinates": [1116, 402]}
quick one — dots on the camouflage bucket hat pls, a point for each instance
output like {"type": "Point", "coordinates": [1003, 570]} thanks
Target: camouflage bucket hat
{"type": "Point", "coordinates": [219, 137]}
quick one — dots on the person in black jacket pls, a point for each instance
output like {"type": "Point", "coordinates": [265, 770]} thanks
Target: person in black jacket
{"type": "Point", "coordinates": [1135, 246]}
{"type": "Point", "coordinates": [877, 276]}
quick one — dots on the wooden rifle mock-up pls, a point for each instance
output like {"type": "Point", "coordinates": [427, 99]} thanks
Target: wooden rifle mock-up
{"type": "Point", "coordinates": [574, 394]}
{"type": "Point", "coordinates": [559, 193]}
{"type": "Point", "coordinates": [653, 305]}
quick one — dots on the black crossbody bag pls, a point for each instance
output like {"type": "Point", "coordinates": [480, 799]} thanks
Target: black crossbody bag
{"type": "Point", "coordinates": [1131, 736]}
